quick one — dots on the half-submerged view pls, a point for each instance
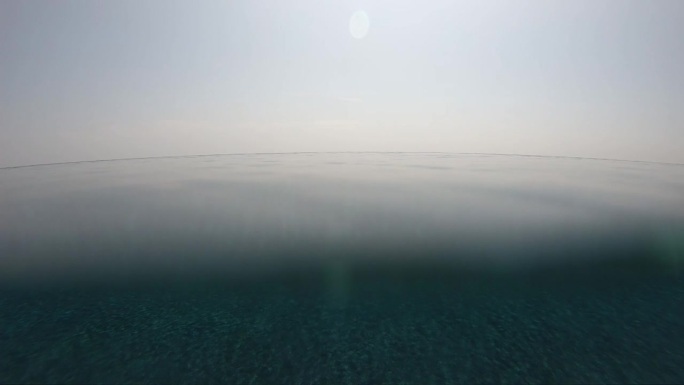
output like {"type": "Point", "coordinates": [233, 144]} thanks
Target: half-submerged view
{"type": "Point", "coordinates": [372, 214]}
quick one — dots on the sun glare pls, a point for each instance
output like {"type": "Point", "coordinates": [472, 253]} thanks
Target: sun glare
{"type": "Point", "coordinates": [359, 24]}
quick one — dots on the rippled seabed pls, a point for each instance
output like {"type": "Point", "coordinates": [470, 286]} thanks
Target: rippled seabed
{"type": "Point", "coordinates": [342, 268]}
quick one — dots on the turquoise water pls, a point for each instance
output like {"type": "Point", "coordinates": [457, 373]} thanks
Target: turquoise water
{"type": "Point", "coordinates": [342, 268]}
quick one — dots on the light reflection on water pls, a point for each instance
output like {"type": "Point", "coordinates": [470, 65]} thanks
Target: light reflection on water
{"type": "Point", "coordinates": [342, 268]}
{"type": "Point", "coordinates": [252, 212]}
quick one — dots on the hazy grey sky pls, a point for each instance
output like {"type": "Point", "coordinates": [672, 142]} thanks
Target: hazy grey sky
{"type": "Point", "coordinates": [95, 80]}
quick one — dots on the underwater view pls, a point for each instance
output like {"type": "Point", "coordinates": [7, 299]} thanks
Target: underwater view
{"type": "Point", "coordinates": [342, 268]}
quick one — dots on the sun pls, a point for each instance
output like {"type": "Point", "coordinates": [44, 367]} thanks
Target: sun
{"type": "Point", "coordinates": [359, 24]}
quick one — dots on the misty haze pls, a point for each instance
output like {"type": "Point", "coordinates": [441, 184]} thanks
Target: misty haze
{"type": "Point", "coordinates": [318, 192]}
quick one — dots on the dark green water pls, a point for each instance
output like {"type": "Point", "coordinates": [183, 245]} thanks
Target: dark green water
{"type": "Point", "coordinates": [342, 268]}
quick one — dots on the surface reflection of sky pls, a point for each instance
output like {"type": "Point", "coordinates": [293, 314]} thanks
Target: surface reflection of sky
{"type": "Point", "coordinates": [239, 213]}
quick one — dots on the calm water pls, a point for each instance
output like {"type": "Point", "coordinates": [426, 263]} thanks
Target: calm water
{"type": "Point", "coordinates": [342, 268]}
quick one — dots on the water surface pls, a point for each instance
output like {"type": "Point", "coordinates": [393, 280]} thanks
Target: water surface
{"type": "Point", "coordinates": [342, 268]}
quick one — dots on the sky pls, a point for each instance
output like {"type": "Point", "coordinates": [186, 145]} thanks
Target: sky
{"type": "Point", "coordinates": [92, 79]}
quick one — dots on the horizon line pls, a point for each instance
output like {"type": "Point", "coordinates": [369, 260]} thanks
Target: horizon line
{"type": "Point", "coordinates": [338, 152]}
